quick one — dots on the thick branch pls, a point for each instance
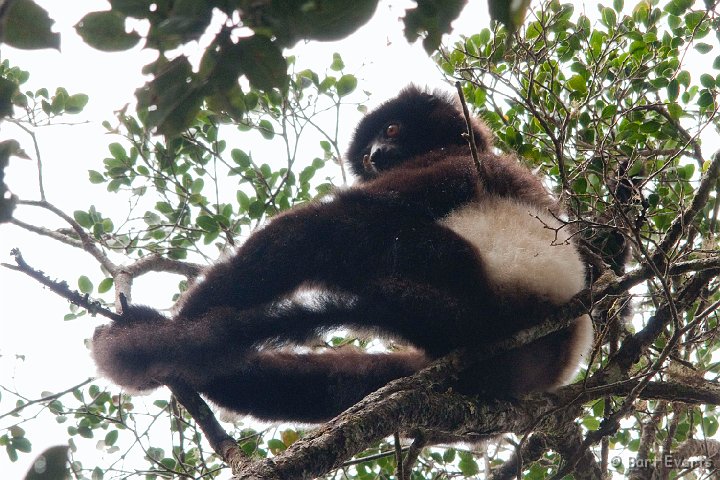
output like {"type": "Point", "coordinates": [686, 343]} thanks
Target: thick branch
{"type": "Point", "coordinates": [709, 449]}
{"type": "Point", "coordinates": [569, 443]}
{"type": "Point", "coordinates": [643, 470]}
{"type": "Point", "coordinates": [218, 438]}
{"type": "Point", "coordinates": [157, 263]}
{"type": "Point", "coordinates": [695, 394]}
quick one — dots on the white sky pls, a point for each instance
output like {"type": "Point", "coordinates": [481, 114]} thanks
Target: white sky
{"type": "Point", "coordinates": [31, 318]}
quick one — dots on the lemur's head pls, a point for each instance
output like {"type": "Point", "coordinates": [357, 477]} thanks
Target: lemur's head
{"type": "Point", "coordinates": [413, 123]}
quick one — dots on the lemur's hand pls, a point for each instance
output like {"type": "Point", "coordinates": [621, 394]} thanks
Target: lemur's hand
{"type": "Point", "coordinates": [126, 350]}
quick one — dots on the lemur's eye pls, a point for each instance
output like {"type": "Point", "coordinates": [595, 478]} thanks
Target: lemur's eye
{"type": "Point", "coordinates": [392, 130]}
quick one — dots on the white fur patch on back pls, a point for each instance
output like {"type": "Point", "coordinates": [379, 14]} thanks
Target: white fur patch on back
{"type": "Point", "coordinates": [522, 249]}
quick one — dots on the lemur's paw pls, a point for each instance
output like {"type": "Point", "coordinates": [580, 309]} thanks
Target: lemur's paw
{"type": "Point", "coordinates": [126, 350]}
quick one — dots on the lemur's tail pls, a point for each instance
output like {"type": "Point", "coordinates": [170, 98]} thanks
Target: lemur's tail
{"type": "Point", "coordinates": [307, 387]}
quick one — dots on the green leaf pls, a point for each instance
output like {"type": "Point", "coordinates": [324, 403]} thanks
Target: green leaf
{"type": "Point", "coordinates": [608, 111]}
{"type": "Point", "coordinates": [577, 84]}
{"type": "Point", "coordinates": [207, 223]}
{"type": "Point", "coordinates": [261, 61]}
{"type": "Point", "coordinates": [684, 78]}
{"type": "Point", "coordinates": [243, 200]}
{"type": "Point", "coordinates": [673, 89]}
{"type": "Point", "coordinates": [346, 85]}
{"type": "Point", "coordinates": [84, 284]}
{"type": "Point", "coordinates": [172, 98]}
{"type": "Point", "coordinates": [591, 423]}
{"type": "Point", "coordinates": [709, 426]}
{"type": "Point", "coordinates": [83, 218]}
{"type": "Point", "coordinates": [675, 111]}
{"type": "Point", "coordinates": [650, 126]}
{"type": "Point", "coordinates": [431, 19]}
{"type": "Point", "coordinates": [26, 25]}
{"type": "Point", "coordinates": [240, 157]}
{"type": "Point", "coordinates": [609, 18]}
{"type": "Point", "coordinates": [8, 89]}
{"type": "Point", "coordinates": [97, 474]}
{"type": "Point", "coordinates": [316, 20]}
{"type": "Point", "coordinates": [678, 7]}
{"type": "Point", "coordinates": [707, 81]}
{"type": "Point", "coordinates": [105, 285]}
{"type": "Point", "coordinates": [266, 129]}
{"type": "Point", "coordinates": [111, 438]}
{"type": "Point", "coordinates": [468, 466]}
{"type": "Point", "coordinates": [337, 63]}
{"type": "Point", "coordinates": [693, 19]}
{"type": "Point", "coordinates": [106, 31]}
{"type": "Point", "coordinates": [76, 103]}
{"type": "Point", "coordinates": [21, 444]}
{"type": "Point", "coordinates": [703, 47]}
{"type": "Point", "coordinates": [276, 445]}
{"type": "Point", "coordinates": [11, 148]}
{"type": "Point", "coordinates": [705, 100]}
{"type": "Point", "coordinates": [96, 177]}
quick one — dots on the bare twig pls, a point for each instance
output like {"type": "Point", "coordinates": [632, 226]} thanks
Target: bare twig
{"type": "Point", "coordinates": [470, 130]}
{"type": "Point", "coordinates": [61, 288]}
{"type": "Point", "coordinates": [46, 399]}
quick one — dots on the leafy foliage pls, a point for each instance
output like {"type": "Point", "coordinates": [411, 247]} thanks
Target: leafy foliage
{"type": "Point", "coordinates": [23, 24]}
{"type": "Point", "coordinates": [176, 93]}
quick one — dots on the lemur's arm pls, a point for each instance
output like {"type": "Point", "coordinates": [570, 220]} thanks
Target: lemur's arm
{"type": "Point", "coordinates": [432, 184]}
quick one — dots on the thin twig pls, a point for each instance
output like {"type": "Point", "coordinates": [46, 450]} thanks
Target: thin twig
{"type": "Point", "coordinates": [470, 130]}
{"type": "Point", "coordinates": [46, 399]}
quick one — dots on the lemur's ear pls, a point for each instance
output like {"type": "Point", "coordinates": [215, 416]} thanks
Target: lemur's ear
{"type": "Point", "coordinates": [429, 98]}
{"type": "Point", "coordinates": [132, 314]}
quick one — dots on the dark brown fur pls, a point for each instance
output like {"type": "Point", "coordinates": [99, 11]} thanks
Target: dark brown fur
{"type": "Point", "coordinates": [383, 262]}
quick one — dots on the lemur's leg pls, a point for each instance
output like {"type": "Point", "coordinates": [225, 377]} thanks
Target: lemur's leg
{"type": "Point", "coordinates": [311, 387]}
{"type": "Point", "coordinates": [149, 349]}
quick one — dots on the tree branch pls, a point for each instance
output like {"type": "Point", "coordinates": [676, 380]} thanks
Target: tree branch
{"type": "Point", "coordinates": [60, 288]}
{"type": "Point", "coordinates": [219, 440]}
{"type": "Point", "coordinates": [470, 130]}
{"type": "Point", "coordinates": [88, 244]}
